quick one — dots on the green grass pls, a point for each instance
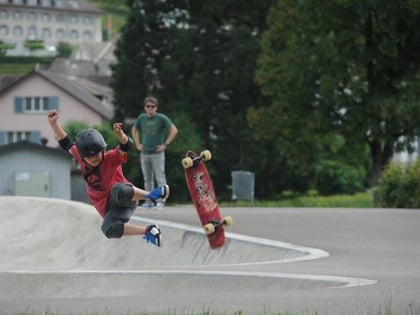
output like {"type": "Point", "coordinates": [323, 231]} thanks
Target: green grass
{"type": "Point", "coordinates": [117, 11]}
{"type": "Point", "coordinates": [359, 200]}
{"type": "Point", "coordinates": [15, 69]}
{"type": "Point", "coordinates": [18, 66]}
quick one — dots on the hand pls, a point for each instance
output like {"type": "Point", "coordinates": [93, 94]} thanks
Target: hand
{"type": "Point", "coordinates": [161, 148]}
{"type": "Point", "coordinates": [117, 127]}
{"type": "Point", "coordinates": [53, 116]}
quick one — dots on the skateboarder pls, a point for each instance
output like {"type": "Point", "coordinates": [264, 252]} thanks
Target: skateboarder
{"type": "Point", "coordinates": [112, 195]}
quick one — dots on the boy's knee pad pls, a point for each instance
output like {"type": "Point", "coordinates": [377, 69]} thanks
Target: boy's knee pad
{"type": "Point", "coordinates": [115, 230]}
{"type": "Point", "coordinates": [122, 194]}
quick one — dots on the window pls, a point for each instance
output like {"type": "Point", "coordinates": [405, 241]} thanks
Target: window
{"type": "Point", "coordinates": [31, 2]}
{"type": "Point", "coordinates": [4, 14]}
{"type": "Point", "coordinates": [61, 18]}
{"type": "Point", "coordinates": [59, 3]}
{"type": "Point", "coordinates": [74, 34]}
{"type": "Point", "coordinates": [46, 33]}
{"type": "Point", "coordinates": [17, 15]}
{"type": "Point", "coordinates": [74, 19]}
{"type": "Point", "coordinates": [88, 20]}
{"type": "Point", "coordinates": [36, 104]}
{"type": "Point", "coordinates": [46, 17]}
{"type": "Point", "coordinates": [46, 3]}
{"type": "Point", "coordinates": [32, 33]}
{"type": "Point", "coordinates": [18, 31]}
{"type": "Point", "coordinates": [87, 35]}
{"type": "Point", "coordinates": [59, 34]}
{"type": "Point", "coordinates": [32, 16]}
{"type": "Point", "coordinates": [4, 30]}
{"type": "Point", "coordinates": [14, 136]}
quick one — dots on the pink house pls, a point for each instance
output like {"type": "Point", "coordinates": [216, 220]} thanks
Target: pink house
{"type": "Point", "coordinates": [24, 104]}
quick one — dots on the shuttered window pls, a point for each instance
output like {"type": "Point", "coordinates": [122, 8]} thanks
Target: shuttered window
{"type": "Point", "coordinates": [7, 137]}
{"type": "Point", "coordinates": [37, 104]}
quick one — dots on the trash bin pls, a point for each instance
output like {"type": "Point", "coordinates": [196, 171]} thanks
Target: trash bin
{"type": "Point", "coordinates": [243, 185]}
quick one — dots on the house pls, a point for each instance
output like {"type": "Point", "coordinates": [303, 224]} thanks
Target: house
{"type": "Point", "coordinates": [24, 104]}
{"type": "Point", "coordinates": [49, 21]}
{"type": "Point", "coordinates": [30, 169]}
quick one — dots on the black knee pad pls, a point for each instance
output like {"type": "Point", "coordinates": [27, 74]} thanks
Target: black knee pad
{"type": "Point", "coordinates": [115, 230]}
{"type": "Point", "coordinates": [122, 194]}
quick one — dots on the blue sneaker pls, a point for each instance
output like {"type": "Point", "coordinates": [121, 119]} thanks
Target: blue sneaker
{"type": "Point", "coordinates": [147, 205]}
{"type": "Point", "coordinates": [162, 192]}
{"type": "Point", "coordinates": [153, 235]}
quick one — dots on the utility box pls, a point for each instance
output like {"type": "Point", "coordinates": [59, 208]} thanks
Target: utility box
{"type": "Point", "coordinates": [35, 184]}
{"type": "Point", "coordinates": [243, 183]}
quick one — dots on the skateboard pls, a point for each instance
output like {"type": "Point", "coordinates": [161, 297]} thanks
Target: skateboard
{"type": "Point", "coordinates": [205, 201]}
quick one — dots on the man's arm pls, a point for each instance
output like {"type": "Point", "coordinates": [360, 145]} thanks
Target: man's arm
{"type": "Point", "coordinates": [173, 130]}
{"type": "Point", "coordinates": [135, 135]}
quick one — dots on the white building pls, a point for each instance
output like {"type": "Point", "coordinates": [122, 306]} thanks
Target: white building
{"type": "Point", "coordinates": [52, 21]}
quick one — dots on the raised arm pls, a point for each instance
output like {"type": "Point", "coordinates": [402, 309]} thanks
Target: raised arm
{"type": "Point", "coordinates": [122, 137]}
{"type": "Point", "coordinates": [59, 132]}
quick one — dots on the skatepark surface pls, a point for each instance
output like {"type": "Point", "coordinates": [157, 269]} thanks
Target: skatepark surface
{"type": "Point", "coordinates": [54, 258]}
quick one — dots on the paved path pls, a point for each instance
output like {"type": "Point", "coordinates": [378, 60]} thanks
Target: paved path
{"type": "Point", "coordinates": [329, 261]}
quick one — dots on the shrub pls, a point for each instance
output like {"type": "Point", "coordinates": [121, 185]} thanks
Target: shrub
{"type": "Point", "coordinates": [334, 177]}
{"type": "Point", "coordinates": [34, 44]}
{"type": "Point", "coordinates": [64, 49]}
{"type": "Point", "coordinates": [399, 186]}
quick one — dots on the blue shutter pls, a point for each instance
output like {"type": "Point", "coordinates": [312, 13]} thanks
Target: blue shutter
{"type": "Point", "coordinates": [18, 104]}
{"type": "Point", "coordinates": [35, 137]}
{"type": "Point", "coordinates": [53, 102]}
{"type": "Point", "coordinates": [2, 137]}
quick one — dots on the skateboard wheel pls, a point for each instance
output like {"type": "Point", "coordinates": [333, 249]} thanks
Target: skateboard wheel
{"type": "Point", "coordinates": [227, 220]}
{"type": "Point", "coordinates": [187, 162]}
{"type": "Point", "coordinates": [209, 228]}
{"type": "Point", "coordinates": [205, 155]}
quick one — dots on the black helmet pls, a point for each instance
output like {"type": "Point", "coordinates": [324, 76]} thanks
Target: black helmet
{"type": "Point", "coordinates": [90, 142]}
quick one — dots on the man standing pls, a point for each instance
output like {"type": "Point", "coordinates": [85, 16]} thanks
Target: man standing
{"type": "Point", "coordinates": [149, 132]}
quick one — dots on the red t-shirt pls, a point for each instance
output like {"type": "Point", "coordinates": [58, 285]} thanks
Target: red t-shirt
{"type": "Point", "coordinates": [100, 179]}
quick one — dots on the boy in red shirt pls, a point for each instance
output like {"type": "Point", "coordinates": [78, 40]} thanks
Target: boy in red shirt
{"type": "Point", "coordinates": [112, 195]}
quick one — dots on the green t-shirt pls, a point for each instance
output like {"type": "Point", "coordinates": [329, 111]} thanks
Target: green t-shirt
{"type": "Point", "coordinates": [152, 130]}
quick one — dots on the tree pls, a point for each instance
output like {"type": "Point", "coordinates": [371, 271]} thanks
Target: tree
{"type": "Point", "coordinates": [342, 66]}
{"type": "Point", "coordinates": [4, 47]}
{"type": "Point", "coordinates": [34, 45]}
{"type": "Point", "coordinates": [199, 59]}
{"type": "Point", "coordinates": [64, 49]}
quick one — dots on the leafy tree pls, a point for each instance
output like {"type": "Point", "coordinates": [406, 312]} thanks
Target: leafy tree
{"type": "Point", "coordinates": [341, 66]}
{"type": "Point", "coordinates": [64, 49]}
{"type": "Point", "coordinates": [4, 47]}
{"type": "Point", "coordinates": [198, 58]}
{"type": "Point", "coordinates": [33, 45]}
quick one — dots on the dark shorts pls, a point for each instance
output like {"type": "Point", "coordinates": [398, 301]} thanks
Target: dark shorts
{"type": "Point", "coordinates": [119, 210]}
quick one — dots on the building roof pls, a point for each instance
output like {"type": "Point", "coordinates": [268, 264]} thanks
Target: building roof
{"type": "Point", "coordinates": [84, 93]}
{"type": "Point", "coordinates": [27, 145]}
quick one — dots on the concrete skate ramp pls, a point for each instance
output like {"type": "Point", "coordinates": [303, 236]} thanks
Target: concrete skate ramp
{"type": "Point", "coordinates": [51, 234]}
{"type": "Point", "coordinates": [55, 249]}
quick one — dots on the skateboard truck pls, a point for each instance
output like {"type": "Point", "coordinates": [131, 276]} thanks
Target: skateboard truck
{"type": "Point", "coordinates": [214, 225]}
{"type": "Point", "coordinates": [193, 161]}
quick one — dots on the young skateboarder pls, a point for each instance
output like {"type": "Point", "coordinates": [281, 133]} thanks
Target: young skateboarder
{"type": "Point", "coordinates": [112, 195]}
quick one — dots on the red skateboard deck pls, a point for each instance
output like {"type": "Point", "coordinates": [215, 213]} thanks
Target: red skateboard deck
{"type": "Point", "coordinates": [205, 201]}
